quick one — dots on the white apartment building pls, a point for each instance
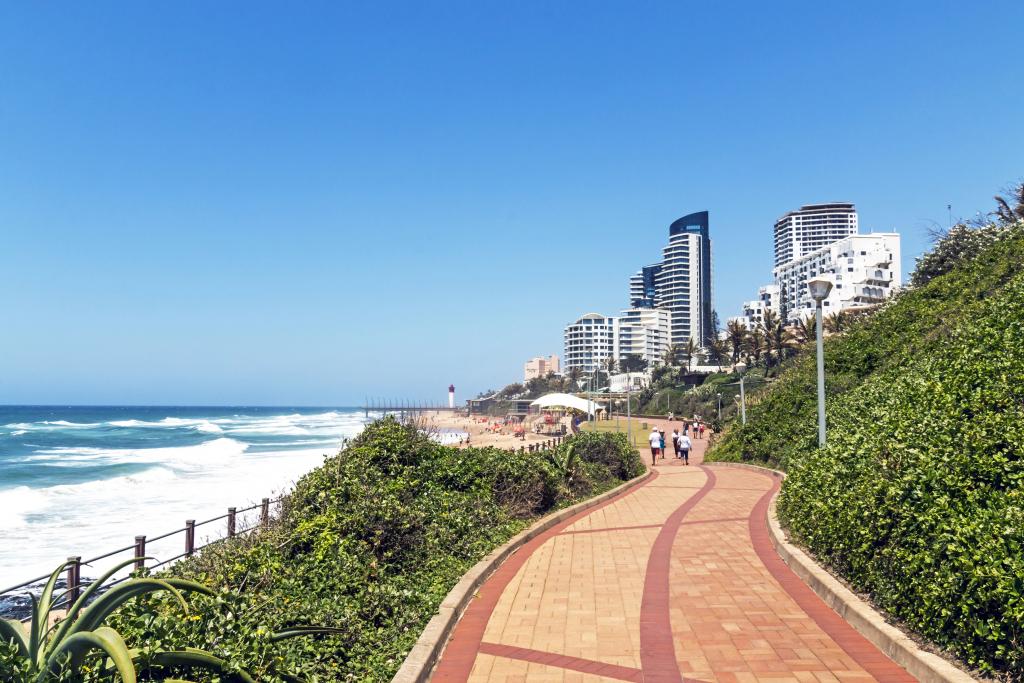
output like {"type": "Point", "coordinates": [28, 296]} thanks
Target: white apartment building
{"type": "Point", "coordinates": [864, 270]}
{"type": "Point", "coordinates": [753, 311]}
{"type": "Point", "coordinates": [589, 342]}
{"type": "Point", "coordinates": [812, 227]}
{"type": "Point", "coordinates": [540, 367]}
{"type": "Point", "coordinates": [645, 332]}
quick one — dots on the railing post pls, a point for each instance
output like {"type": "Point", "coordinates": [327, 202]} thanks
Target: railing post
{"type": "Point", "coordinates": [140, 552]}
{"type": "Point", "coordinates": [231, 522]}
{"type": "Point", "coordinates": [74, 579]}
{"type": "Point", "coordinates": [190, 536]}
{"type": "Point", "coordinates": [265, 512]}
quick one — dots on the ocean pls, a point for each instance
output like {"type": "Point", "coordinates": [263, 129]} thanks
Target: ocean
{"type": "Point", "coordinates": [83, 480]}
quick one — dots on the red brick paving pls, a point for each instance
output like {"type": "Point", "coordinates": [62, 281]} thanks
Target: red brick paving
{"type": "Point", "coordinates": [674, 581]}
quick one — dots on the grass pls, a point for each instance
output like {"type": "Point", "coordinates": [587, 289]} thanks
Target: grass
{"type": "Point", "coordinates": [619, 426]}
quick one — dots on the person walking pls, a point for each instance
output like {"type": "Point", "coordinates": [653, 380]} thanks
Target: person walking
{"type": "Point", "coordinates": [661, 433]}
{"type": "Point", "coordinates": [655, 441]}
{"type": "Point", "coordinates": [675, 442]}
{"type": "Point", "coordinates": [684, 447]}
{"type": "Point", "coordinates": [702, 430]}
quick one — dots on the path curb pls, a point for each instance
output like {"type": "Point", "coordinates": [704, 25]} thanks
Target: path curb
{"type": "Point", "coordinates": [922, 665]}
{"type": "Point", "coordinates": [419, 663]}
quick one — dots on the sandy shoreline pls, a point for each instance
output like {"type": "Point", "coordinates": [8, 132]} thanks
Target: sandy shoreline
{"type": "Point", "coordinates": [487, 431]}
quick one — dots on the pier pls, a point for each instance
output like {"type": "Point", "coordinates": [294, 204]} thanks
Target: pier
{"type": "Point", "coordinates": [403, 407]}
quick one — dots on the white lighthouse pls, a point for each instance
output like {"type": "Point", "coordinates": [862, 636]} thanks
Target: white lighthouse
{"type": "Point", "coordinates": [451, 396]}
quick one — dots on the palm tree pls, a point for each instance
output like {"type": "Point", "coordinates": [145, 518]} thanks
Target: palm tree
{"type": "Point", "coordinates": [634, 362]}
{"type": "Point", "coordinates": [575, 374]}
{"type": "Point", "coordinates": [806, 329]}
{"type": "Point", "coordinates": [1006, 213]}
{"type": "Point", "coordinates": [777, 337]}
{"type": "Point", "coordinates": [755, 343]}
{"type": "Point", "coordinates": [611, 365]}
{"type": "Point", "coordinates": [717, 351]}
{"type": "Point", "coordinates": [768, 323]}
{"type": "Point", "coordinates": [836, 322]}
{"type": "Point", "coordinates": [672, 354]}
{"type": "Point", "coordinates": [736, 334]}
{"type": "Point", "coordinates": [782, 340]}
{"type": "Point", "coordinates": [689, 351]}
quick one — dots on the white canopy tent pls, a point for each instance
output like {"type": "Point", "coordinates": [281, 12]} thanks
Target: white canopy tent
{"type": "Point", "coordinates": [568, 401]}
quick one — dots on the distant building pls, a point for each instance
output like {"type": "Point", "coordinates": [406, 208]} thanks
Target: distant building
{"type": "Point", "coordinates": [590, 341]}
{"type": "Point", "coordinates": [643, 287]}
{"type": "Point", "coordinates": [645, 332]}
{"type": "Point", "coordinates": [812, 227]}
{"type": "Point", "coordinates": [864, 270]}
{"type": "Point", "coordinates": [540, 367]}
{"type": "Point", "coordinates": [754, 311]}
{"type": "Point", "coordinates": [684, 282]}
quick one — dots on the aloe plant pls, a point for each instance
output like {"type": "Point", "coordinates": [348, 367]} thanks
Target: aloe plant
{"type": "Point", "coordinates": [564, 461]}
{"type": "Point", "coordinates": [47, 652]}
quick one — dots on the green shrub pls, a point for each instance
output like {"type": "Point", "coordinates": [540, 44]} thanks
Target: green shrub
{"type": "Point", "coordinates": [917, 497]}
{"type": "Point", "coordinates": [368, 544]}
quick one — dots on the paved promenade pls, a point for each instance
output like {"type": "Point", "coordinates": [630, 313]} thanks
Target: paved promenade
{"type": "Point", "coordinates": [674, 581]}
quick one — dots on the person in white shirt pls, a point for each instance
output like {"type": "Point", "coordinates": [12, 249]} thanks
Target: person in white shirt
{"type": "Point", "coordinates": [655, 439]}
{"type": "Point", "coordinates": [684, 446]}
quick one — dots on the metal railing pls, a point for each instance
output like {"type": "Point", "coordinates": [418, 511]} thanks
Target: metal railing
{"type": "Point", "coordinates": [231, 530]}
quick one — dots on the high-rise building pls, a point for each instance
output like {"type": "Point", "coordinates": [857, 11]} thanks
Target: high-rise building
{"type": "Point", "coordinates": [684, 282]}
{"type": "Point", "coordinates": [589, 341]}
{"type": "Point", "coordinates": [645, 332]}
{"type": "Point", "coordinates": [643, 287]}
{"type": "Point", "coordinates": [540, 367]}
{"type": "Point", "coordinates": [812, 227]}
{"type": "Point", "coordinates": [864, 270]}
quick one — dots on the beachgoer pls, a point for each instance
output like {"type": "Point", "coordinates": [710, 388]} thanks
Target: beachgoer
{"type": "Point", "coordinates": [661, 433]}
{"type": "Point", "coordinates": [675, 442]}
{"type": "Point", "coordinates": [684, 447]}
{"type": "Point", "coordinates": [655, 440]}
{"type": "Point", "coordinates": [702, 430]}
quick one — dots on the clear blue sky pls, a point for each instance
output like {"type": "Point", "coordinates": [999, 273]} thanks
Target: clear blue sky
{"type": "Point", "coordinates": [242, 202]}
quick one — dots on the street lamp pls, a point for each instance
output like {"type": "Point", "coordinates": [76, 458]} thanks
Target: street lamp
{"type": "Point", "coordinates": [819, 288]}
{"type": "Point", "coordinates": [719, 409]}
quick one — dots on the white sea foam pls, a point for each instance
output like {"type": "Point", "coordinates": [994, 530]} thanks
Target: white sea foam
{"type": "Point", "coordinates": [19, 502]}
{"type": "Point", "coordinates": [52, 425]}
{"type": "Point", "coordinates": [206, 453]}
{"type": "Point", "coordinates": [44, 525]}
{"type": "Point", "coordinates": [72, 425]}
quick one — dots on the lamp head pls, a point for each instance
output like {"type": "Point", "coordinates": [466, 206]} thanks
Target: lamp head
{"type": "Point", "coordinates": [819, 288]}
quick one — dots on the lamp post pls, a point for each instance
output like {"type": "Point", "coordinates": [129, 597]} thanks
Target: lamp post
{"type": "Point", "coordinates": [743, 401]}
{"type": "Point", "coordinates": [819, 288]}
{"type": "Point", "coordinates": [629, 416]}
{"type": "Point", "coordinates": [719, 409]}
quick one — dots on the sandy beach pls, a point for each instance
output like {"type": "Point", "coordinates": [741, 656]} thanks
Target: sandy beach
{"type": "Point", "coordinates": [487, 431]}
